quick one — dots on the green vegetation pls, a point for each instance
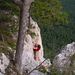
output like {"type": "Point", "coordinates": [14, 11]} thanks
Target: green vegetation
{"type": "Point", "coordinates": [7, 70]}
{"type": "Point", "coordinates": [57, 36]}
{"type": "Point", "coordinates": [8, 24]}
{"type": "Point", "coordinates": [12, 45]}
{"type": "Point", "coordinates": [67, 71]}
{"type": "Point", "coordinates": [8, 5]}
{"type": "Point", "coordinates": [7, 10]}
{"type": "Point", "coordinates": [5, 27]}
{"type": "Point", "coordinates": [55, 6]}
{"type": "Point", "coordinates": [54, 37]}
{"type": "Point", "coordinates": [55, 70]}
{"type": "Point", "coordinates": [17, 71]}
{"type": "Point", "coordinates": [29, 31]}
{"type": "Point", "coordinates": [42, 69]}
{"type": "Point", "coordinates": [72, 61]}
{"type": "Point", "coordinates": [5, 47]}
{"type": "Point", "coordinates": [48, 12]}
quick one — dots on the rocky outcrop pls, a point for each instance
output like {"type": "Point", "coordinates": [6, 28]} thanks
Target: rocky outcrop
{"type": "Point", "coordinates": [30, 41]}
{"type": "Point", "coordinates": [36, 72]}
{"type": "Point", "coordinates": [28, 62]}
{"type": "Point", "coordinates": [4, 62]}
{"type": "Point", "coordinates": [62, 60]}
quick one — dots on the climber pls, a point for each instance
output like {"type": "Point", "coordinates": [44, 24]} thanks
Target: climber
{"type": "Point", "coordinates": [36, 48]}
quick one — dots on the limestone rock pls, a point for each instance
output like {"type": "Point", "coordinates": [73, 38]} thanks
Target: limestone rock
{"type": "Point", "coordinates": [29, 42]}
{"type": "Point", "coordinates": [4, 62]}
{"type": "Point", "coordinates": [28, 62]}
{"type": "Point", "coordinates": [62, 60]}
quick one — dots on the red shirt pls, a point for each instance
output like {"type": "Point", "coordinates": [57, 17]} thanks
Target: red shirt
{"type": "Point", "coordinates": [37, 48]}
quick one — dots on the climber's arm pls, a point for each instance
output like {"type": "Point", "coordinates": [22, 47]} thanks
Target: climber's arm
{"type": "Point", "coordinates": [34, 47]}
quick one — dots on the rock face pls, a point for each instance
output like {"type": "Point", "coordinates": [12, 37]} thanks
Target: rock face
{"type": "Point", "coordinates": [62, 60]}
{"type": "Point", "coordinates": [29, 42]}
{"type": "Point", "coordinates": [28, 62]}
{"type": "Point", "coordinates": [4, 62]}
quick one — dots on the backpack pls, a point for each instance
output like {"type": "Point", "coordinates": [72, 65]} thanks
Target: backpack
{"type": "Point", "coordinates": [39, 46]}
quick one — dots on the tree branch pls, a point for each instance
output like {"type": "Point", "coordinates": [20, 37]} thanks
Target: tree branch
{"type": "Point", "coordinates": [17, 2]}
{"type": "Point", "coordinates": [2, 37]}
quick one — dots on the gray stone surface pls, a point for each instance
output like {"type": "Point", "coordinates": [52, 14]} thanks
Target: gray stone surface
{"type": "Point", "coordinates": [62, 60]}
{"type": "Point", "coordinates": [36, 72]}
{"type": "Point", "coordinates": [4, 62]}
{"type": "Point", "coordinates": [28, 62]}
{"type": "Point", "coordinates": [29, 42]}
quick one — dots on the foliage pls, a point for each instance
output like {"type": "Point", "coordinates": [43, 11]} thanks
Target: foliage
{"type": "Point", "coordinates": [45, 12]}
{"type": "Point", "coordinates": [6, 27]}
{"type": "Point", "coordinates": [57, 36]}
{"type": "Point", "coordinates": [8, 5]}
{"type": "Point", "coordinates": [7, 70]}
{"type": "Point", "coordinates": [29, 31]}
{"type": "Point", "coordinates": [48, 12]}
{"type": "Point", "coordinates": [55, 71]}
{"type": "Point", "coordinates": [4, 49]}
{"type": "Point", "coordinates": [8, 24]}
{"type": "Point", "coordinates": [13, 68]}
{"type": "Point", "coordinates": [16, 71]}
{"type": "Point", "coordinates": [12, 45]}
{"type": "Point", "coordinates": [43, 70]}
{"type": "Point", "coordinates": [6, 45]}
{"type": "Point", "coordinates": [67, 71]}
{"type": "Point", "coordinates": [72, 60]}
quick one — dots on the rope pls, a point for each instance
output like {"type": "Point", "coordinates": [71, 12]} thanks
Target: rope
{"type": "Point", "coordinates": [43, 61]}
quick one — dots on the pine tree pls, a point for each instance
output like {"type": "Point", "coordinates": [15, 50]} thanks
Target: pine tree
{"type": "Point", "coordinates": [24, 14]}
{"type": "Point", "coordinates": [48, 12]}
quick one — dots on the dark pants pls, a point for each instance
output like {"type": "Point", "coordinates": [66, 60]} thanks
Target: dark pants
{"type": "Point", "coordinates": [34, 54]}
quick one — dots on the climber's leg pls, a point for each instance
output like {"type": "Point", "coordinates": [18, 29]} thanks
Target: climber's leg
{"type": "Point", "coordinates": [35, 55]}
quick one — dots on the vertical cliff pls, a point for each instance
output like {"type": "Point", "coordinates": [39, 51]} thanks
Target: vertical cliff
{"type": "Point", "coordinates": [33, 36]}
{"type": "Point", "coordinates": [30, 41]}
{"type": "Point", "coordinates": [28, 61]}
